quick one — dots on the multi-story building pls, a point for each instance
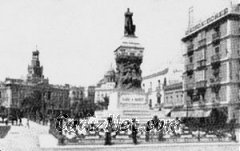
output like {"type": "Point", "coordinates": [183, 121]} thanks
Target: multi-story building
{"type": "Point", "coordinates": [76, 94]}
{"type": "Point", "coordinates": [105, 86]}
{"type": "Point", "coordinates": [173, 96]}
{"type": "Point", "coordinates": [91, 93]}
{"type": "Point", "coordinates": [211, 77]}
{"type": "Point", "coordinates": [153, 84]}
{"type": "Point", "coordinates": [14, 91]}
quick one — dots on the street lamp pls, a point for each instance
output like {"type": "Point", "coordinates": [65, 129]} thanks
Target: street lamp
{"type": "Point", "coordinates": [52, 105]}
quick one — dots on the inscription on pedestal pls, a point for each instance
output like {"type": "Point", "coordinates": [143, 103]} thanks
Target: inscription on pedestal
{"type": "Point", "coordinates": [132, 99]}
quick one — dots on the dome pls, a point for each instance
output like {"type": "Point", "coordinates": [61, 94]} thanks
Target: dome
{"type": "Point", "coordinates": [110, 73]}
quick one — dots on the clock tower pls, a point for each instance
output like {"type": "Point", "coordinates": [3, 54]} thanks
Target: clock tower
{"type": "Point", "coordinates": [35, 70]}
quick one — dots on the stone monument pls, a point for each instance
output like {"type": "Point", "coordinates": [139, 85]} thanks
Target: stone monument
{"type": "Point", "coordinates": [128, 99]}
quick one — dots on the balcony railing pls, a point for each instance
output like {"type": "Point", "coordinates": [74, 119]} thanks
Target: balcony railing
{"type": "Point", "coordinates": [215, 60]}
{"type": "Point", "coordinates": [215, 80]}
{"type": "Point", "coordinates": [216, 37]}
{"type": "Point", "coordinates": [216, 101]}
{"type": "Point", "coordinates": [201, 84]}
{"type": "Point", "coordinates": [202, 103]}
{"type": "Point", "coordinates": [202, 43]}
{"type": "Point", "coordinates": [215, 83]}
{"type": "Point", "coordinates": [196, 98]}
{"type": "Point", "coordinates": [216, 72]}
{"type": "Point", "coordinates": [201, 64]}
{"type": "Point", "coordinates": [190, 49]}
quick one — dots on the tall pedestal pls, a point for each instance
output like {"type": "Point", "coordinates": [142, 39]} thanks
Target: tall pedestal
{"type": "Point", "coordinates": [129, 100]}
{"type": "Point", "coordinates": [128, 105]}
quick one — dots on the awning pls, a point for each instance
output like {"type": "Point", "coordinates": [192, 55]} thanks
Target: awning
{"type": "Point", "coordinates": [199, 113]}
{"type": "Point", "coordinates": [178, 114]}
{"type": "Point", "coordinates": [195, 113]}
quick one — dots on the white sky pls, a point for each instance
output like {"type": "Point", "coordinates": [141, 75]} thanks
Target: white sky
{"type": "Point", "coordinates": [76, 38]}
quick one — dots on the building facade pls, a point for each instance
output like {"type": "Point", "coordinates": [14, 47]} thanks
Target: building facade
{"type": "Point", "coordinates": [153, 86]}
{"type": "Point", "coordinates": [105, 86]}
{"type": "Point", "coordinates": [154, 83]}
{"type": "Point", "coordinates": [173, 96]}
{"type": "Point", "coordinates": [91, 93]}
{"type": "Point", "coordinates": [76, 94]}
{"type": "Point", "coordinates": [212, 65]}
{"type": "Point", "coordinates": [55, 98]}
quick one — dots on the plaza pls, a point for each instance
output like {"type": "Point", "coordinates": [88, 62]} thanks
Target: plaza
{"type": "Point", "coordinates": [195, 109]}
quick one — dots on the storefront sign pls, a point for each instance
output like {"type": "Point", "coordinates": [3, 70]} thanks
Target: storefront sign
{"type": "Point", "coordinates": [208, 21]}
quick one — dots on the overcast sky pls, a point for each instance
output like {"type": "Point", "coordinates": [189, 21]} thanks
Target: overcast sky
{"type": "Point", "coordinates": [76, 38]}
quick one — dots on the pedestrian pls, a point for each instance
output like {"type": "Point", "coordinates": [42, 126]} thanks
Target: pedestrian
{"type": "Point", "coordinates": [108, 137]}
{"type": "Point", "coordinates": [28, 123]}
{"type": "Point", "coordinates": [20, 121]}
{"type": "Point", "coordinates": [6, 122]}
{"type": "Point", "coordinates": [134, 130]}
{"type": "Point", "coordinates": [147, 128]}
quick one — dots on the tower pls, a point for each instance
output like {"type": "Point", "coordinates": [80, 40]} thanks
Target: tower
{"type": "Point", "coordinates": [35, 70]}
{"type": "Point", "coordinates": [129, 57]}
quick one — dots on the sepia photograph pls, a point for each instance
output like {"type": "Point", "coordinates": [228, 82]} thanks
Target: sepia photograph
{"type": "Point", "coordinates": [114, 75]}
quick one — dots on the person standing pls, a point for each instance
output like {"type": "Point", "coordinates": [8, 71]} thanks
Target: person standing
{"type": "Point", "coordinates": [148, 128]}
{"type": "Point", "coordinates": [134, 130]}
{"type": "Point", "coordinates": [28, 123]}
{"type": "Point", "coordinates": [20, 121]}
{"type": "Point", "coordinates": [108, 137]}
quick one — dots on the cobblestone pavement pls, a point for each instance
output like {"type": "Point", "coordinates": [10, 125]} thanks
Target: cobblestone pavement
{"type": "Point", "coordinates": [22, 138]}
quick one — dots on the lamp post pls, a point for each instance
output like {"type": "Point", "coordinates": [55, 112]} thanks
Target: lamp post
{"type": "Point", "coordinates": [52, 105]}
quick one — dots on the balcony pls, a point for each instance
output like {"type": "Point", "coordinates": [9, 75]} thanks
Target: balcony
{"type": "Point", "coordinates": [215, 84]}
{"type": "Point", "coordinates": [201, 84]}
{"type": "Point", "coordinates": [196, 98]}
{"type": "Point", "coordinates": [202, 103]}
{"type": "Point", "coordinates": [201, 64]}
{"type": "Point", "coordinates": [189, 68]}
{"type": "Point", "coordinates": [216, 37]}
{"type": "Point", "coordinates": [189, 103]}
{"type": "Point", "coordinates": [215, 60]}
{"type": "Point", "coordinates": [202, 43]}
{"type": "Point", "coordinates": [216, 72]}
{"type": "Point", "coordinates": [215, 80]}
{"type": "Point", "coordinates": [190, 49]}
{"type": "Point", "coordinates": [216, 101]}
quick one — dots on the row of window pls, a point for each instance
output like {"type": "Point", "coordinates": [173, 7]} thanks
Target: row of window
{"type": "Point", "coordinates": [171, 97]}
{"type": "Point", "coordinates": [158, 85]}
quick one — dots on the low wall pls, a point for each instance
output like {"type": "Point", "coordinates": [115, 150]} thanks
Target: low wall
{"type": "Point", "coordinates": [4, 130]}
{"type": "Point", "coordinates": [152, 147]}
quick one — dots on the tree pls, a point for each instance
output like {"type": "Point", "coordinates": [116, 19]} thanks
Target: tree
{"type": "Point", "coordinates": [32, 103]}
{"type": "Point", "coordinates": [3, 113]}
{"type": "Point", "coordinates": [102, 104]}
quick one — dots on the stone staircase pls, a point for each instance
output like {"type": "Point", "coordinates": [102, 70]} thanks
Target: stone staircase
{"type": "Point", "coordinates": [142, 116]}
